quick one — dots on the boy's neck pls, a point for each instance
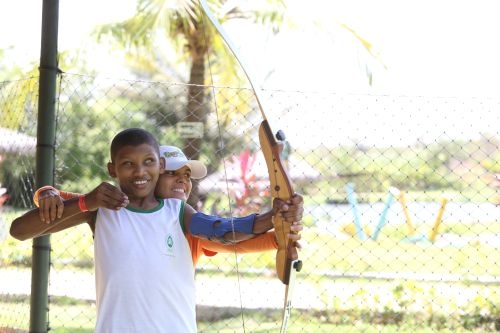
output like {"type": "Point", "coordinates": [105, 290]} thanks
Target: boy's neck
{"type": "Point", "coordinates": [143, 203]}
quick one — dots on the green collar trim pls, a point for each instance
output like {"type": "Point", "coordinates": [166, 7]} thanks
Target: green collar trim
{"type": "Point", "coordinates": [146, 211]}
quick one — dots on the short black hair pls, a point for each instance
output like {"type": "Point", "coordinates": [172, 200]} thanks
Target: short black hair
{"type": "Point", "coordinates": [132, 137]}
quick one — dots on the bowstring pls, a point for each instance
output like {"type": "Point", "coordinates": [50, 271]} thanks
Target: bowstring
{"type": "Point", "coordinates": [221, 149]}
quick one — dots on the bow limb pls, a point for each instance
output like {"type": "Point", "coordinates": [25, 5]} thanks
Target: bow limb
{"type": "Point", "coordinates": [232, 48]}
{"type": "Point", "coordinates": [281, 184]}
{"type": "Point", "coordinates": [287, 310]}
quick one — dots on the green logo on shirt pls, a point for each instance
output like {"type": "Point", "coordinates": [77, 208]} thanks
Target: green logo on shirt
{"type": "Point", "coordinates": [168, 245]}
{"type": "Point", "coordinates": [170, 242]}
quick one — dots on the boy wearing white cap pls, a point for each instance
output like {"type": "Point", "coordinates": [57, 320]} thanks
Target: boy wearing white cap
{"type": "Point", "coordinates": [176, 183]}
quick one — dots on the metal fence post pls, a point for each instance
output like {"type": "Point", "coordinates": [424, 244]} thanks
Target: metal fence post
{"type": "Point", "coordinates": [44, 159]}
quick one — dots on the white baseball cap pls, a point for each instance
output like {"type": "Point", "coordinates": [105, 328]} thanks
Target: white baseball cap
{"type": "Point", "coordinates": [175, 159]}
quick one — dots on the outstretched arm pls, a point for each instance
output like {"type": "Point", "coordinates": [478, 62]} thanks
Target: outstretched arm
{"type": "Point", "coordinates": [259, 243]}
{"type": "Point", "coordinates": [234, 230]}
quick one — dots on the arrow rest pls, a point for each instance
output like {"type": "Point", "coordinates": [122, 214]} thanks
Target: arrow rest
{"type": "Point", "coordinates": [280, 135]}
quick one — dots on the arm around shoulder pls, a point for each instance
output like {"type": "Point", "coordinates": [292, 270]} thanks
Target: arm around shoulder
{"type": "Point", "coordinates": [30, 225]}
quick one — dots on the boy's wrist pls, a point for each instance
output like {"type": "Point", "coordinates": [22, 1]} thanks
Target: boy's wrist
{"type": "Point", "coordinates": [81, 204]}
{"type": "Point", "coordinates": [263, 223]}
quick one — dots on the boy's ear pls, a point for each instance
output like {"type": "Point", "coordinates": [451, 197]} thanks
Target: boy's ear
{"type": "Point", "coordinates": [162, 165]}
{"type": "Point", "coordinates": [111, 169]}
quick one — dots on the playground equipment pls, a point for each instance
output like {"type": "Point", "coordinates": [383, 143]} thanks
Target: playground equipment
{"type": "Point", "coordinates": [353, 201]}
{"type": "Point", "coordinates": [361, 231]}
{"type": "Point", "coordinates": [412, 236]}
{"type": "Point", "coordinates": [393, 194]}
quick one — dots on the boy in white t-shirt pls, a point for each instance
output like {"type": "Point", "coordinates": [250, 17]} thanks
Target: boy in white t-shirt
{"type": "Point", "coordinates": [144, 271]}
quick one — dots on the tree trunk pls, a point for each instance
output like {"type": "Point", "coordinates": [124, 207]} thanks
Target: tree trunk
{"type": "Point", "coordinates": [196, 112]}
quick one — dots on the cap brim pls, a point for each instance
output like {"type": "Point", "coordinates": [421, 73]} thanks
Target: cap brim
{"type": "Point", "coordinates": [198, 169]}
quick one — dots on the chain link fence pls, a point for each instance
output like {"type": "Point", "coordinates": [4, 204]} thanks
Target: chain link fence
{"type": "Point", "coordinates": [402, 195]}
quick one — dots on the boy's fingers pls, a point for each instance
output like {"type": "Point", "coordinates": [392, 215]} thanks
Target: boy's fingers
{"type": "Point", "coordinates": [41, 214]}
{"type": "Point", "coordinates": [60, 209]}
{"type": "Point", "coordinates": [293, 215]}
{"type": "Point", "coordinates": [296, 227]}
{"type": "Point", "coordinates": [50, 209]}
{"type": "Point", "coordinates": [292, 253]}
{"type": "Point", "coordinates": [107, 196]}
{"type": "Point", "coordinates": [297, 199]}
{"type": "Point", "coordinates": [294, 237]}
{"type": "Point", "coordinates": [284, 207]}
{"type": "Point", "coordinates": [53, 212]}
{"type": "Point", "coordinates": [115, 201]}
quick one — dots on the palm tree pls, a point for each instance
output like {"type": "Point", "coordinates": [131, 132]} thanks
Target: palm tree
{"type": "Point", "coordinates": [184, 25]}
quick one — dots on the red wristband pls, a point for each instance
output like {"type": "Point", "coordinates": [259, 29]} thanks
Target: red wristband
{"type": "Point", "coordinates": [81, 204]}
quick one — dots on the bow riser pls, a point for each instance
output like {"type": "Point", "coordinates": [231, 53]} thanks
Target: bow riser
{"type": "Point", "coordinates": [281, 188]}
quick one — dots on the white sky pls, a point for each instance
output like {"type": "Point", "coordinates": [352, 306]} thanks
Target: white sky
{"type": "Point", "coordinates": [430, 47]}
{"type": "Point", "coordinates": [436, 47]}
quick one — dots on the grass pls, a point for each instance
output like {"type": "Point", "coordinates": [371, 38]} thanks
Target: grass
{"type": "Point", "coordinates": [324, 252]}
{"type": "Point", "coordinates": [375, 306]}
{"type": "Point", "coordinates": [65, 315]}
{"type": "Point", "coordinates": [77, 317]}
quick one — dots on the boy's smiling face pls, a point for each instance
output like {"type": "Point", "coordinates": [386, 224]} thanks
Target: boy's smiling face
{"type": "Point", "coordinates": [137, 169]}
{"type": "Point", "coordinates": [175, 184]}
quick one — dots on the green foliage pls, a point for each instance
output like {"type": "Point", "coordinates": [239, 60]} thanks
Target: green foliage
{"type": "Point", "coordinates": [18, 98]}
{"type": "Point", "coordinates": [72, 247]}
{"type": "Point", "coordinates": [17, 175]}
{"type": "Point", "coordinates": [12, 252]}
{"type": "Point", "coordinates": [15, 253]}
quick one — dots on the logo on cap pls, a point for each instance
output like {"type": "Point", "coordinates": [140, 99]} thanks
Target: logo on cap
{"type": "Point", "coordinates": [171, 154]}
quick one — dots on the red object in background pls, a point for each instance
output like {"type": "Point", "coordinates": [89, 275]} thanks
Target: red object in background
{"type": "Point", "coordinates": [3, 199]}
{"type": "Point", "coordinates": [3, 196]}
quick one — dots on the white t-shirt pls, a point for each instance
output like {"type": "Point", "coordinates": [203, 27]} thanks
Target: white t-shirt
{"type": "Point", "coordinates": [144, 272]}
